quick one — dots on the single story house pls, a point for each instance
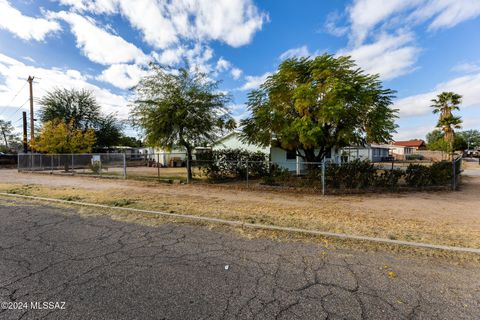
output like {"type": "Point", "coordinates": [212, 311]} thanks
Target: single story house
{"type": "Point", "coordinates": [173, 158]}
{"type": "Point", "coordinates": [289, 159]}
{"type": "Point", "coordinates": [372, 152]}
{"type": "Point", "coordinates": [401, 149]}
{"type": "Point", "coordinates": [233, 141]}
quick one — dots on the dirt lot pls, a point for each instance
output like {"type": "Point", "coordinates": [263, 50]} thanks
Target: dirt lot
{"type": "Point", "coordinates": [451, 218]}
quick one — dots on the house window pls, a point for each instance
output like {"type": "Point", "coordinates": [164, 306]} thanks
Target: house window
{"type": "Point", "coordinates": [291, 155]}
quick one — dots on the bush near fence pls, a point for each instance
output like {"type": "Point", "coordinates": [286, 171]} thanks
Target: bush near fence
{"type": "Point", "coordinates": [253, 168]}
{"type": "Point", "coordinates": [227, 164]}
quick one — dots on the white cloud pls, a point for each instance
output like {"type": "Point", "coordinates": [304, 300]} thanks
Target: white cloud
{"type": "Point", "coordinates": [223, 65]}
{"type": "Point", "coordinates": [364, 15]}
{"type": "Point", "coordinates": [390, 56]}
{"type": "Point", "coordinates": [254, 82]}
{"type": "Point", "coordinates": [466, 67]}
{"type": "Point", "coordinates": [468, 86]}
{"type": "Point", "coordinates": [13, 77]}
{"type": "Point", "coordinates": [170, 56]}
{"type": "Point", "coordinates": [97, 44]}
{"type": "Point", "coordinates": [331, 26]}
{"type": "Point", "coordinates": [236, 73]}
{"type": "Point", "coordinates": [123, 76]}
{"type": "Point", "coordinates": [165, 23]}
{"type": "Point", "coordinates": [25, 27]}
{"type": "Point", "coordinates": [447, 13]}
{"type": "Point", "coordinates": [295, 52]}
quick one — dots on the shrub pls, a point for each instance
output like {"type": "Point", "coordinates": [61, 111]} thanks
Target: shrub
{"type": "Point", "coordinates": [441, 173]}
{"type": "Point", "coordinates": [356, 174]}
{"type": "Point", "coordinates": [418, 175]}
{"type": "Point", "coordinates": [232, 164]}
{"type": "Point", "coordinates": [277, 175]}
{"type": "Point", "coordinates": [388, 178]}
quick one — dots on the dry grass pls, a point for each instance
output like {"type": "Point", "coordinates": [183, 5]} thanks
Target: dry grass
{"type": "Point", "coordinates": [356, 215]}
{"type": "Point", "coordinates": [329, 244]}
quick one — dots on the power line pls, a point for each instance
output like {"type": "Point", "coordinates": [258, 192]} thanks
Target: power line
{"type": "Point", "coordinates": [16, 94]}
{"type": "Point", "coordinates": [19, 108]}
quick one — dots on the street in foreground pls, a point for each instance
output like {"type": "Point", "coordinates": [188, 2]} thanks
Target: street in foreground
{"type": "Point", "coordinates": [97, 268]}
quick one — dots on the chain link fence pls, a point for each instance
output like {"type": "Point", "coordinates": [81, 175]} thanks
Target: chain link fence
{"type": "Point", "coordinates": [322, 177]}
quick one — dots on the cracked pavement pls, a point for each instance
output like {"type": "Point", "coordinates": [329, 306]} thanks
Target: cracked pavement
{"type": "Point", "coordinates": [107, 269]}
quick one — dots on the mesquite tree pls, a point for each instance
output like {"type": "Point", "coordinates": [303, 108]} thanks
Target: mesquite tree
{"type": "Point", "coordinates": [180, 107]}
{"type": "Point", "coordinates": [311, 105]}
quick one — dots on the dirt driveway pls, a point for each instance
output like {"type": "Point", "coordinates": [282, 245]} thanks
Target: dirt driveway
{"type": "Point", "coordinates": [451, 218]}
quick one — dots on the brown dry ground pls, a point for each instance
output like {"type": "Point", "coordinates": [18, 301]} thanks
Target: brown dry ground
{"type": "Point", "coordinates": [450, 218]}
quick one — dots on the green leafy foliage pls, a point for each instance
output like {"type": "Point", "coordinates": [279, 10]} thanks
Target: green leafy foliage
{"type": "Point", "coordinates": [80, 108]}
{"type": "Point", "coordinates": [8, 139]}
{"type": "Point", "coordinates": [356, 174]}
{"type": "Point", "coordinates": [277, 175]}
{"type": "Point", "coordinates": [436, 141]}
{"type": "Point", "coordinates": [232, 164]}
{"type": "Point", "coordinates": [180, 108]}
{"type": "Point", "coordinates": [444, 105]}
{"type": "Point", "coordinates": [318, 104]}
{"type": "Point", "coordinates": [418, 175]}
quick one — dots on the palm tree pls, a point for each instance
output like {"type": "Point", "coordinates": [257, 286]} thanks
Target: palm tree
{"type": "Point", "coordinates": [445, 103]}
{"type": "Point", "coordinates": [448, 126]}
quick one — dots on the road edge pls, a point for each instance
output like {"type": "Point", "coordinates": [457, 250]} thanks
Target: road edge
{"type": "Point", "coordinates": [255, 225]}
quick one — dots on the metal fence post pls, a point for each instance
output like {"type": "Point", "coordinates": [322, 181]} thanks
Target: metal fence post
{"type": "Point", "coordinates": [454, 182]}
{"type": "Point", "coordinates": [247, 171]}
{"type": "Point", "coordinates": [158, 165]}
{"type": "Point", "coordinates": [73, 163]}
{"type": "Point", "coordinates": [51, 163]}
{"type": "Point", "coordinates": [124, 166]}
{"type": "Point", "coordinates": [188, 165]}
{"type": "Point", "coordinates": [323, 177]}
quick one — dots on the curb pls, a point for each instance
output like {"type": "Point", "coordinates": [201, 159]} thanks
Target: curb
{"type": "Point", "coordinates": [257, 226]}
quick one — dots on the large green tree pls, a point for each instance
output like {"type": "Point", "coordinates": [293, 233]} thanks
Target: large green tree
{"type": "Point", "coordinates": [436, 141]}
{"type": "Point", "coordinates": [180, 108]}
{"type": "Point", "coordinates": [311, 105]}
{"type": "Point", "coordinates": [444, 105]}
{"type": "Point", "coordinates": [472, 138]}
{"type": "Point", "coordinates": [81, 109]}
{"type": "Point", "coordinates": [7, 135]}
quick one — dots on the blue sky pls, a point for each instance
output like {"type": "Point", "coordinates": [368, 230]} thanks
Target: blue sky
{"type": "Point", "coordinates": [419, 47]}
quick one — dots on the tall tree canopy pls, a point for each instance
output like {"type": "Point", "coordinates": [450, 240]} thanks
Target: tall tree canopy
{"type": "Point", "coordinates": [7, 135]}
{"type": "Point", "coordinates": [312, 105]}
{"type": "Point", "coordinates": [472, 138]}
{"type": "Point", "coordinates": [60, 137]}
{"type": "Point", "coordinates": [436, 141]}
{"type": "Point", "coordinates": [80, 109]}
{"type": "Point", "coordinates": [180, 108]}
{"type": "Point", "coordinates": [444, 105]}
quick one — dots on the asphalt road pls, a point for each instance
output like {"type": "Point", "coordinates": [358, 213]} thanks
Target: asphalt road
{"type": "Point", "coordinates": [106, 269]}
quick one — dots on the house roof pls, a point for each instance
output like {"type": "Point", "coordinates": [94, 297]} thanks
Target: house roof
{"type": "Point", "coordinates": [410, 143]}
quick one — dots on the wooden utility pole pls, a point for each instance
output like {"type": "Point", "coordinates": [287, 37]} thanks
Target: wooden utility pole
{"type": "Point", "coordinates": [25, 143]}
{"type": "Point", "coordinates": [32, 120]}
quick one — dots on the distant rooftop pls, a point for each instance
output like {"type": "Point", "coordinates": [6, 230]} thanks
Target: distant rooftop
{"type": "Point", "coordinates": [410, 143]}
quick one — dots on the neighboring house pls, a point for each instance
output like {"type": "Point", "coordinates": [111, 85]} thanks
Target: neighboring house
{"type": "Point", "coordinates": [233, 141]}
{"type": "Point", "coordinates": [172, 158]}
{"type": "Point", "coordinates": [401, 149]}
{"type": "Point", "coordinates": [372, 152]}
{"type": "Point", "coordinates": [294, 163]}
{"type": "Point", "coordinates": [131, 152]}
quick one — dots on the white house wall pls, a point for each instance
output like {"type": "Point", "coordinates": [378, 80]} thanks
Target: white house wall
{"type": "Point", "coordinates": [233, 142]}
